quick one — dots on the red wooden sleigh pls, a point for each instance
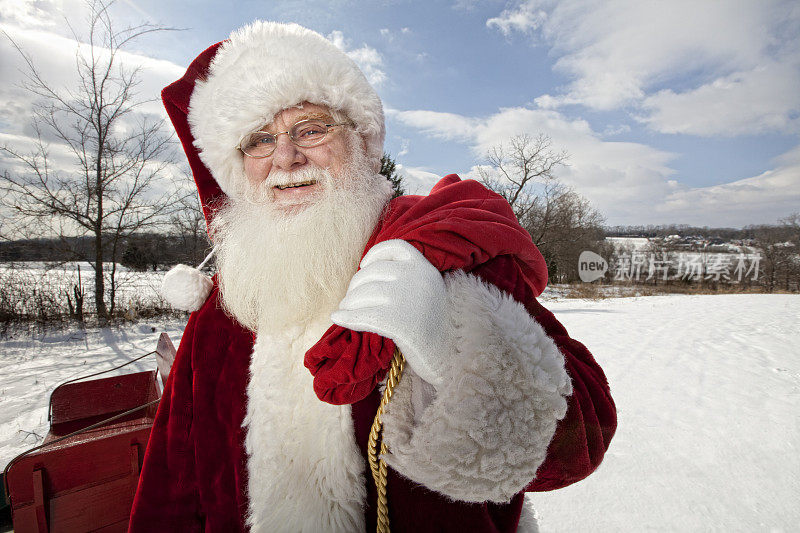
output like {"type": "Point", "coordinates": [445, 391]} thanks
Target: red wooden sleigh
{"type": "Point", "coordinates": [83, 476]}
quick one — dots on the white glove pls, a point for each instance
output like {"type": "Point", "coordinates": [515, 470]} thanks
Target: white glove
{"type": "Point", "coordinates": [398, 294]}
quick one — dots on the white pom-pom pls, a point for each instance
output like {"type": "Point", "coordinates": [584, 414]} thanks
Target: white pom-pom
{"type": "Point", "coordinates": [186, 288]}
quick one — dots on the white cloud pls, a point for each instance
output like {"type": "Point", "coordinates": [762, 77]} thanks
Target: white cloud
{"type": "Point", "coordinates": [764, 99]}
{"type": "Point", "coordinates": [447, 126]}
{"type": "Point", "coordinates": [55, 59]}
{"type": "Point", "coordinates": [525, 17]}
{"type": "Point", "coordinates": [367, 58]}
{"type": "Point", "coordinates": [59, 155]}
{"type": "Point", "coordinates": [465, 5]}
{"type": "Point", "coordinates": [614, 175]}
{"type": "Point", "coordinates": [33, 13]}
{"type": "Point", "coordinates": [404, 144]}
{"type": "Point", "coordinates": [417, 180]}
{"type": "Point", "coordinates": [620, 54]}
{"type": "Point", "coordinates": [760, 199]}
{"type": "Point", "coordinates": [630, 183]}
{"type": "Point", "coordinates": [612, 130]}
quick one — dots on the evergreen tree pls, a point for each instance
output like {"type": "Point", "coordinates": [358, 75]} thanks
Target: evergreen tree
{"type": "Point", "coordinates": [388, 169]}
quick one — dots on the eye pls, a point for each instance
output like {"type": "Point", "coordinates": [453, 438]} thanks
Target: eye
{"type": "Point", "coordinates": [259, 139]}
{"type": "Point", "coordinates": [264, 138]}
{"type": "Point", "coordinates": [309, 130]}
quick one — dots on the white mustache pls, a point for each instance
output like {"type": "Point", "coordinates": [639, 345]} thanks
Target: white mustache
{"type": "Point", "coordinates": [282, 178]}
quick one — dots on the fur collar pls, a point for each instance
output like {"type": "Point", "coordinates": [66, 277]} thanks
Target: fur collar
{"type": "Point", "coordinates": [305, 470]}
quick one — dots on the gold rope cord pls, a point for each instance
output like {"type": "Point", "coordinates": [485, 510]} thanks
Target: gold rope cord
{"type": "Point", "coordinates": [378, 466]}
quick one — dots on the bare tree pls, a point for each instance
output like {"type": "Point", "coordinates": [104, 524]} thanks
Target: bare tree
{"type": "Point", "coordinates": [516, 170]}
{"type": "Point", "coordinates": [560, 221]}
{"type": "Point", "coordinates": [792, 222]}
{"type": "Point", "coordinates": [189, 225]}
{"type": "Point", "coordinates": [118, 160]}
{"type": "Point", "coordinates": [562, 224]}
{"type": "Point", "coordinates": [780, 248]}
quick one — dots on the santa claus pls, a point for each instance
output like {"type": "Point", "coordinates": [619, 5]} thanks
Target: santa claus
{"type": "Point", "coordinates": [264, 420]}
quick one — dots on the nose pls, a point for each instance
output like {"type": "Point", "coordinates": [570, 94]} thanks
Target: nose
{"type": "Point", "coordinates": [287, 156]}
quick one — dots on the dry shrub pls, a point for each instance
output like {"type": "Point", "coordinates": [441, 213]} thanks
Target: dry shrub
{"type": "Point", "coordinates": [596, 291]}
{"type": "Point", "coordinates": [34, 298]}
{"type": "Point", "coordinates": [138, 307]}
{"type": "Point", "coordinates": [29, 297]}
{"type": "Point", "coordinates": [585, 291]}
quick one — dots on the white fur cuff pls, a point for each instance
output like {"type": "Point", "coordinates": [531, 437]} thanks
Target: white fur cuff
{"type": "Point", "coordinates": [486, 432]}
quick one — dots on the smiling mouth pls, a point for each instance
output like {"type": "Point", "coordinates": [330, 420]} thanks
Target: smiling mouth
{"type": "Point", "coordinates": [295, 185]}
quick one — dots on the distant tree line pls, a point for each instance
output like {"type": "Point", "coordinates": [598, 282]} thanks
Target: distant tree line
{"type": "Point", "coordinates": [765, 256]}
{"type": "Point", "coordinates": [141, 251]}
{"type": "Point", "coordinates": [665, 230]}
{"type": "Point", "coordinates": [62, 250]}
{"type": "Point", "coordinates": [684, 230]}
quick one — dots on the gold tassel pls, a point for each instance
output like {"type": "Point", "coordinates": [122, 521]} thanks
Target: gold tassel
{"type": "Point", "coordinates": [378, 466]}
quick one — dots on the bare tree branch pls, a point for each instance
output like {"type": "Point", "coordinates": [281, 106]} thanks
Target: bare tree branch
{"type": "Point", "coordinates": [560, 221]}
{"type": "Point", "coordinates": [516, 169]}
{"type": "Point", "coordinates": [109, 192]}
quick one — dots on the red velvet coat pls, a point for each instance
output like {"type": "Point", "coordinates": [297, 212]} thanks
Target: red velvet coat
{"type": "Point", "coordinates": [195, 470]}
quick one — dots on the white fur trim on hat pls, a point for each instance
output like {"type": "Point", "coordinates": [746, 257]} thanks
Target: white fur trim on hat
{"type": "Point", "coordinates": [267, 67]}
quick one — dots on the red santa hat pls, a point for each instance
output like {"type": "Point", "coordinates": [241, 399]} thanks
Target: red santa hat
{"type": "Point", "coordinates": [239, 85]}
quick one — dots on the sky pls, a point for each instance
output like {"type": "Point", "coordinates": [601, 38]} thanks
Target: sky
{"type": "Point", "coordinates": [678, 112]}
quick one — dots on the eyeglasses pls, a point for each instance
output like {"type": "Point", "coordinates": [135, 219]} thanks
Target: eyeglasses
{"type": "Point", "coordinates": [305, 133]}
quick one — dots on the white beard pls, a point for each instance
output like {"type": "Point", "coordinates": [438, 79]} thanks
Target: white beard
{"type": "Point", "coordinates": [279, 269]}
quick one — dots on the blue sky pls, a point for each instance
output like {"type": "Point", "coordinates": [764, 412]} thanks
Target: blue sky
{"type": "Point", "coordinates": [672, 112]}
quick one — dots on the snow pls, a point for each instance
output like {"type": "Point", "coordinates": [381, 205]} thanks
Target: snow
{"type": "Point", "coordinates": [33, 366]}
{"type": "Point", "coordinates": [707, 388]}
{"type": "Point", "coordinates": [629, 243]}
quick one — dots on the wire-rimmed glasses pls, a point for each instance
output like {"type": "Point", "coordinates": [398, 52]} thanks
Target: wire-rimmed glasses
{"type": "Point", "coordinates": [304, 133]}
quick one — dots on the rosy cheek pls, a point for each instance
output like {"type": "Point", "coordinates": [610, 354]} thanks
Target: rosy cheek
{"type": "Point", "coordinates": [256, 170]}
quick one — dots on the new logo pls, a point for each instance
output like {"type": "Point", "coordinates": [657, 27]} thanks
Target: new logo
{"type": "Point", "coordinates": [591, 266]}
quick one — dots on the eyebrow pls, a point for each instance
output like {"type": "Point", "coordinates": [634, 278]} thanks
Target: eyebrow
{"type": "Point", "coordinates": [311, 116]}
{"type": "Point", "coordinates": [305, 116]}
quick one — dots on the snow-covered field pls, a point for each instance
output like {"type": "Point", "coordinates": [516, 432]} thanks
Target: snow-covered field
{"type": "Point", "coordinates": [629, 243]}
{"type": "Point", "coordinates": [707, 388]}
{"type": "Point", "coordinates": [53, 281]}
{"type": "Point", "coordinates": [708, 396]}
